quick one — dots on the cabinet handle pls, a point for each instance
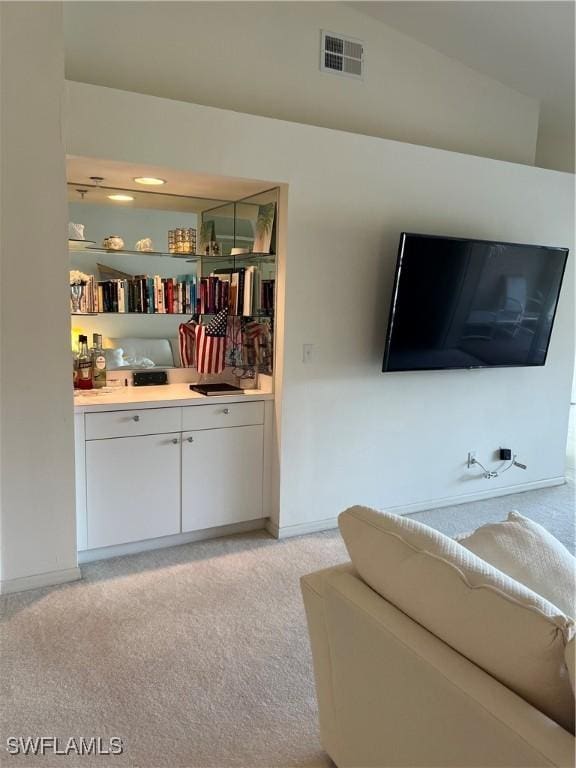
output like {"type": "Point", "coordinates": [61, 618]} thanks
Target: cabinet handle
{"type": "Point", "coordinates": [226, 411]}
{"type": "Point", "coordinates": [174, 441]}
{"type": "Point", "coordinates": [136, 418]}
{"type": "Point", "coordinates": [190, 439]}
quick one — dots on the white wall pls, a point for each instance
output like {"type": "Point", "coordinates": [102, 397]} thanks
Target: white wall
{"type": "Point", "coordinates": [348, 432]}
{"type": "Point", "coordinates": [36, 424]}
{"type": "Point", "coordinates": [555, 147]}
{"type": "Point", "coordinates": [263, 58]}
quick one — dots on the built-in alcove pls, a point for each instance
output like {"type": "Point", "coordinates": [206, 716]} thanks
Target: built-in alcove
{"type": "Point", "coordinates": [221, 245]}
{"type": "Point", "coordinates": [159, 464]}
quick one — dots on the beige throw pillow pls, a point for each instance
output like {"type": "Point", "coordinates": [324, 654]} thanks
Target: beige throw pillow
{"type": "Point", "coordinates": [512, 633]}
{"type": "Point", "coordinates": [530, 554]}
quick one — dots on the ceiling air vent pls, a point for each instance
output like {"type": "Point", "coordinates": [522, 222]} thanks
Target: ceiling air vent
{"type": "Point", "coordinates": [341, 55]}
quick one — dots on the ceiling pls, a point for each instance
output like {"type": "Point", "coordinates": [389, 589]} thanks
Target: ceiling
{"type": "Point", "coordinates": [528, 46]}
{"type": "Point", "coordinates": [87, 194]}
{"type": "Point", "coordinates": [207, 190]}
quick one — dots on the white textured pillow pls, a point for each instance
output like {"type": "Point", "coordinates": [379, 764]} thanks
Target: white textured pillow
{"type": "Point", "coordinates": [530, 554]}
{"type": "Point", "coordinates": [512, 633]}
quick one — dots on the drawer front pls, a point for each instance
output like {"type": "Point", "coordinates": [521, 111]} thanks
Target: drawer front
{"type": "Point", "coordinates": [222, 415]}
{"type": "Point", "coordinates": [132, 423]}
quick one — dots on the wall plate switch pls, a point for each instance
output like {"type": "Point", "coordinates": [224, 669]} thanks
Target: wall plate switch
{"type": "Point", "coordinates": [307, 353]}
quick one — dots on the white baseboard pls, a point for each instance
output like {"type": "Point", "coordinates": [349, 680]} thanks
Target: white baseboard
{"type": "Point", "coordinates": [452, 501]}
{"type": "Point", "coordinates": [327, 524]}
{"type": "Point", "coordinates": [50, 579]}
{"type": "Point", "coordinates": [103, 553]}
{"type": "Point", "coordinates": [287, 531]}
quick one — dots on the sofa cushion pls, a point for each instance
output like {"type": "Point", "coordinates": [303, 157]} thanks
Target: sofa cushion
{"type": "Point", "coordinates": [530, 554]}
{"type": "Point", "coordinates": [512, 633]}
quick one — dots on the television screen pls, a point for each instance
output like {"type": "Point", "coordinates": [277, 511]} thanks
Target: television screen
{"type": "Point", "coordinates": [462, 303]}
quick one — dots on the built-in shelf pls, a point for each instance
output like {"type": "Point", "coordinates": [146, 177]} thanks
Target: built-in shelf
{"type": "Point", "coordinates": [125, 252]}
{"type": "Point", "coordinates": [188, 257]}
{"type": "Point", "coordinates": [268, 313]}
{"type": "Point", "coordinates": [263, 258]}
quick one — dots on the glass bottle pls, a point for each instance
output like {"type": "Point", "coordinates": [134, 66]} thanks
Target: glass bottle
{"type": "Point", "coordinates": [84, 365]}
{"type": "Point", "coordinates": [75, 368]}
{"type": "Point", "coordinates": [75, 356]}
{"type": "Point", "coordinates": [98, 362]}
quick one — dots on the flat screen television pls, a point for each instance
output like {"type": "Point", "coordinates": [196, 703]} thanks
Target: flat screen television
{"type": "Point", "coordinates": [461, 303]}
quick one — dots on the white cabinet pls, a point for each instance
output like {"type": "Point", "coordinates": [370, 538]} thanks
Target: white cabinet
{"type": "Point", "coordinates": [221, 476]}
{"type": "Point", "coordinates": [132, 488]}
{"type": "Point", "coordinates": [148, 473]}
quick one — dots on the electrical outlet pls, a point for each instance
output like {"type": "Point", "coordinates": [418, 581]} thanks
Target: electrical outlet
{"type": "Point", "coordinates": [471, 459]}
{"type": "Point", "coordinates": [307, 353]}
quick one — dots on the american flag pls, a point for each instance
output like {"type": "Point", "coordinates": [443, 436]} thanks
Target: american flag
{"type": "Point", "coordinates": [211, 344]}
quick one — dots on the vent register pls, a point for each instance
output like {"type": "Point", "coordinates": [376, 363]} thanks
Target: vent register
{"type": "Point", "coordinates": [341, 55]}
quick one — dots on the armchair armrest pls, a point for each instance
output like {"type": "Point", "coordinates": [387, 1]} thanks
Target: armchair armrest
{"type": "Point", "coordinates": [392, 694]}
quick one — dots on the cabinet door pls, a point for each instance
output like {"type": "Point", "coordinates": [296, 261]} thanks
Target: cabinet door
{"type": "Point", "coordinates": [221, 476]}
{"type": "Point", "coordinates": [133, 488]}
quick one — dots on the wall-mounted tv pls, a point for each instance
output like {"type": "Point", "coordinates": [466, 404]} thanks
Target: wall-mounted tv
{"type": "Point", "coordinates": [461, 303]}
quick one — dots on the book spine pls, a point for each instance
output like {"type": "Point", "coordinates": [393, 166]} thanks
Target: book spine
{"type": "Point", "coordinates": [170, 294]}
{"type": "Point", "coordinates": [247, 297]}
{"type": "Point", "coordinates": [203, 297]}
{"type": "Point", "coordinates": [241, 281]}
{"type": "Point", "coordinates": [121, 296]}
{"type": "Point", "coordinates": [134, 297]}
{"type": "Point", "coordinates": [150, 295]}
{"type": "Point", "coordinates": [158, 303]}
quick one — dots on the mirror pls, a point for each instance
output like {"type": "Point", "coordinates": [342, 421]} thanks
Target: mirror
{"type": "Point", "coordinates": [144, 339]}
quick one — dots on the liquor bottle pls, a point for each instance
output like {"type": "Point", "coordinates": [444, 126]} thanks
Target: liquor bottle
{"type": "Point", "coordinates": [75, 369]}
{"type": "Point", "coordinates": [98, 362]}
{"type": "Point", "coordinates": [84, 365]}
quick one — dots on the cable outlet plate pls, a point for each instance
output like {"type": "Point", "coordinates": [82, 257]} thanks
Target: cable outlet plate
{"type": "Point", "coordinates": [471, 459]}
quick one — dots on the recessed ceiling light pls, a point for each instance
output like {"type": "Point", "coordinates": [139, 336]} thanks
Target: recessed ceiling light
{"type": "Point", "coordinates": [121, 198]}
{"type": "Point", "coordinates": [149, 181]}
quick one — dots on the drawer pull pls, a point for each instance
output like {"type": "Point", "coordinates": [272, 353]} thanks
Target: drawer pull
{"type": "Point", "coordinates": [136, 418]}
{"type": "Point", "coordinates": [226, 411]}
{"type": "Point", "coordinates": [190, 439]}
{"type": "Point", "coordinates": [174, 441]}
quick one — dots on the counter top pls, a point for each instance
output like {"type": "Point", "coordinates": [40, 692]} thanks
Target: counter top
{"type": "Point", "coordinates": [166, 395]}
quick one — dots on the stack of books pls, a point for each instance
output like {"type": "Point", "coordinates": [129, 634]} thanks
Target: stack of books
{"type": "Point", "coordinates": [148, 295]}
{"type": "Point", "coordinates": [242, 291]}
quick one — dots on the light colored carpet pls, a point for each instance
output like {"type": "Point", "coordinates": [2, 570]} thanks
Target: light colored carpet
{"type": "Point", "coordinates": [196, 656]}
